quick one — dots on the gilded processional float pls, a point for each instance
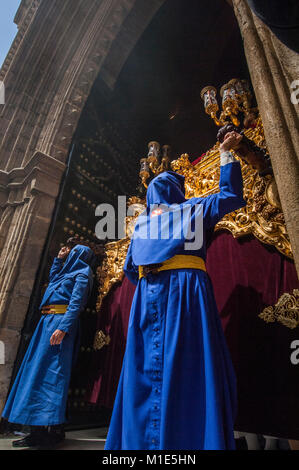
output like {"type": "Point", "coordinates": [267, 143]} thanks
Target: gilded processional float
{"type": "Point", "coordinates": [250, 264]}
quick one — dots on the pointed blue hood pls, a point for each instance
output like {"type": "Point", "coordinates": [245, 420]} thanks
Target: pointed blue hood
{"type": "Point", "coordinates": [163, 228]}
{"type": "Point", "coordinates": [77, 262]}
{"type": "Point", "coordinates": [167, 188]}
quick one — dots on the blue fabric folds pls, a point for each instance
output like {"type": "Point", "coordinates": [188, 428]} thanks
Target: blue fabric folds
{"type": "Point", "coordinates": [39, 393]}
{"type": "Point", "coordinates": [177, 389]}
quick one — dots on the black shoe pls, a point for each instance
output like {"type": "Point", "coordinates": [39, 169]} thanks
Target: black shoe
{"type": "Point", "coordinates": [35, 438]}
{"type": "Point", "coordinates": [52, 440]}
{"type": "Point", "coordinates": [29, 441]}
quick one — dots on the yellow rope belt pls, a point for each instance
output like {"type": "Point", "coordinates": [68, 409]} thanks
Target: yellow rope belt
{"type": "Point", "coordinates": [176, 262]}
{"type": "Point", "coordinates": [54, 309]}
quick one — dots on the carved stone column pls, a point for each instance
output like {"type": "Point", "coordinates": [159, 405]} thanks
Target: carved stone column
{"type": "Point", "coordinates": [273, 68]}
{"type": "Point", "coordinates": [26, 215]}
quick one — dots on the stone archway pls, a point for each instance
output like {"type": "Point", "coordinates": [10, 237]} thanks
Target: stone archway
{"type": "Point", "coordinates": [48, 74]}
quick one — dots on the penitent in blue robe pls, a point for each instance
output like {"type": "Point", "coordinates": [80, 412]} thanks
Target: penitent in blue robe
{"type": "Point", "coordinates": [39, 393]}
{"type": "Point", "coordinates": [177, 389]}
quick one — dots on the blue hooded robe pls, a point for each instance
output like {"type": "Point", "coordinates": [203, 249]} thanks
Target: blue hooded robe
{"type": "Point", "coordinates": [39, 394]}
{"type": "Point", "coordinates": [177, 389]}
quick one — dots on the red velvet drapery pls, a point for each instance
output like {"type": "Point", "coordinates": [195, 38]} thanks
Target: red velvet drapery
{"type": "Point", "coordinates": [248, 276]}
{"type": "Point", "coordinates": [106, 363]}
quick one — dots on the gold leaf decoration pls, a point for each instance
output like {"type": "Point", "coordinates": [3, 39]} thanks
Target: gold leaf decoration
{"type": "Point", "coordinates": [262, 216]}
{"type": "Point", "coordinates": [100, 340]}
{"type": "Point", "coordinates": [111, 270]}
{"type": "Point", "coordinates": [285, 311]}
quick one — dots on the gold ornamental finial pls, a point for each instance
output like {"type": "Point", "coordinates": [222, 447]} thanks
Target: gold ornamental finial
{"type": "Point", "coordinates": [154, 163]}
{"type": "Point", "coordinates": [236, 98]}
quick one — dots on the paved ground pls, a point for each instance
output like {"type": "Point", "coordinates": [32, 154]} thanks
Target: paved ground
{"type": "Point", "coordinates": [89, 439]}
{"type": "Point", "coordinates": [94, 439]}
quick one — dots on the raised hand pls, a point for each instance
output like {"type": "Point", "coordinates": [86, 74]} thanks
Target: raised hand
{"type": "Point", "coordinates": [63, 252]}
{"type": "Point", "coordinates": [231, 141]}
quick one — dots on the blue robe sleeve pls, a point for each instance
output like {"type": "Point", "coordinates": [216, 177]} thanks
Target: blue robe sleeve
{"type": "Point", "coordinates": [56, 267]}
{"type": "Point", "coordinates": [130, 269]}
{"type": "Point", "coordinates": [77, 303]}
{"type": "Point", "coordinates": [228, 199]}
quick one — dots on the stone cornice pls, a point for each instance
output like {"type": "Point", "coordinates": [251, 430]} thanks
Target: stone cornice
{"type": "Point", "coordinates": [23, 18]}
{"type": "Point", "coordinates": [42, 174]}
{"type": "Point", "coordinates": [22, 11]}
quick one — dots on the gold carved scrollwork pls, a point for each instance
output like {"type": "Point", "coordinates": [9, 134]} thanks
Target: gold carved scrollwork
{"type": "Point", "coordinates": [262, 216]}
{"type": "Point", "coordinates": [111, 270]}
{"type": "Point", "coordinates": [285, 311]}
{"type": "Point", "coordinates": [100, 340]}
